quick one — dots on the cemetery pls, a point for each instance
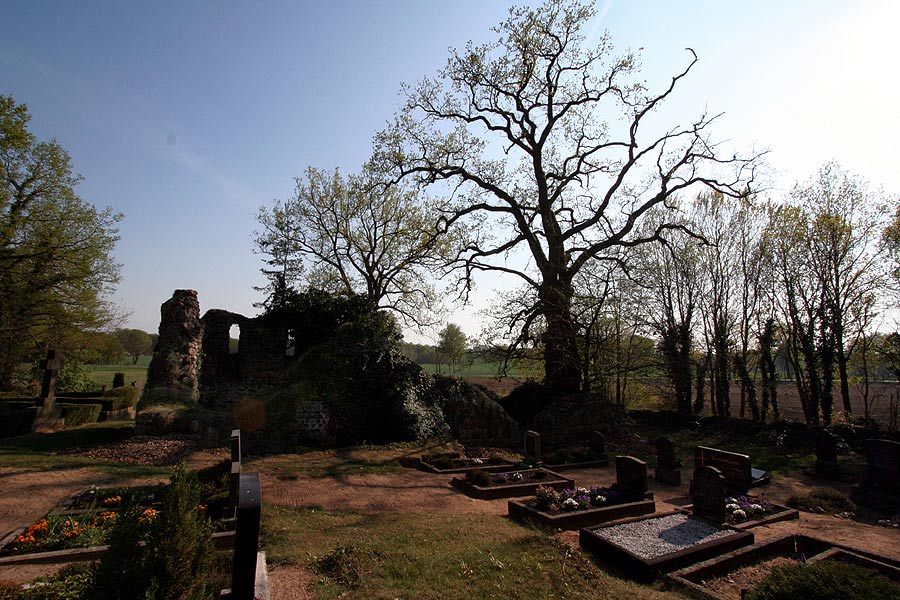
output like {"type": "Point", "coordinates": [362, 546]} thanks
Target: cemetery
{"type": "Point", "coordinates": [688, 368]}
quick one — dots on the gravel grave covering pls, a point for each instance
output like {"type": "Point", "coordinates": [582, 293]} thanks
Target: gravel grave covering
{"type": "Point", "coordinates": [649, 538]}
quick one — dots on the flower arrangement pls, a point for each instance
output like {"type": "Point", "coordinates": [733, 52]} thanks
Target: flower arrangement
{"type": "Point", "coordinates": [58, 532]}
{"type": "Point", "coordinates": [551, 501]}
{"type": "Point", "coordinates": [742, 508]}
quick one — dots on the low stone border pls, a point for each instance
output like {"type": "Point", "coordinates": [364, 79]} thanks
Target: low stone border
{"type": "Point", "coordinates": [495, 468]}
{"type": "Point", "coordinates": [641, 568]}
{"type": "Point", "coordinates": [794, 545]}
{"type": "Point", "coordinates": [513, 490]}
{"type": "Point", "coordinates": [520, 511]}
{"type": "Point", "coordinates": [591, 464]}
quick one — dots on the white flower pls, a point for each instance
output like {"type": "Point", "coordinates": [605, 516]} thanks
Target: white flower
{"type": "Point", "coordinates": [476, 461]}
{"type": "Point", "coordinates": [739, 514]}
{"type": "Point", "coordinates": [570, 503]}
{"type": "Point", "coordinates": [582, 491]}
{"type": "Point", "coordinates": [732, 507]}
{"type": "Point", "coordinates": [516, 477]}
{"type": "Point", "coordinates": [600, 500]}
{"type": "Point", "coordinates": [730, 500]}
{"type": "Point", "coordinates": [756, 508]}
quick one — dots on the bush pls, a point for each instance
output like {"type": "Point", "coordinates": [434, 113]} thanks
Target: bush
{"type": "Point", "coordinates": [175, 562]}
{"type": "Point", "coordinates": [828, 500]}
{"type": "Point", "coordinates": [825, 580]}
{"type": "Point", "coordinates": [123, 397]}
{"type": "Point", "coordinates": [17, 422]}
{"type": "Point", "coordinates": [479, 477]}
{"type": "Point", "coordinates": [471, 411]}
{"type": "Point", "coordinates": [118, 380]}
{"type": "Point", "coordinates": [79, 414]}
{"type": "Point", "coordinates": [74, 377]}
{"type": "Point", "coordinates": [72, 582]}
{"type": "Point", "coordinates": [528, 399]}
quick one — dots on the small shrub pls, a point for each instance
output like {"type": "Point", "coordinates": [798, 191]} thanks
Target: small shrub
{"type": "Point", "coordinates": [72, 582]}
{"type": "Point", "coordinates": [479, 477]}
{"type": "Point", "coordinates": [442, 462]}
{"type": "Point", "coordinates": [74, 377]}
{"type": "Point", "coordinates": [123, 397]}
{"type": "Point", "coordinates": [496, 459]}
{"type": "Point", "coordinates": [79, 414]}
{"type": "Point", "coordinates": [823, 500]}
{"type": "Point", "coordinates": [118, 380]}
{"type": "Point", "coordinates": [825, 580]}
{"type": "Point", "coordinates": [342, 565]}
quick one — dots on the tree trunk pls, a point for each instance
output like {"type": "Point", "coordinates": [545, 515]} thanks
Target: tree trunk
{"type": "Point", "coordinates": [562, 371]}
{"type": "Point", "coordinates": [845, 383]}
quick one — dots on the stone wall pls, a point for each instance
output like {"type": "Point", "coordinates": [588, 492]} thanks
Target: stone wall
{"type": "Point", "coordinates": [175, 367]}
{"type": "Point", "coordinates": [570, 420]}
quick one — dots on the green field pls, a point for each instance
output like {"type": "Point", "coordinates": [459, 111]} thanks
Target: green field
{"type": "Point", "coordinates": [474, 369]}
{"type": "Point", "coordinates": [103, 374]}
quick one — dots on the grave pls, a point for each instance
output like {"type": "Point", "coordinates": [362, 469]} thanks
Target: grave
{"type": "Point", "coordinates": [667, 469]}
{"type": "Point", "coordinates": [826, 455]}
{"type": "Point", "coordinates": [631, 475]}
{"type": "Point", "coordinates": [700, 580]}
{"type": "Point", "coordinates": [512, 484]}
{"type": "Point", "coordinates": [880, 485]}
{"type": "Point", "coordinates": [249, 579]}
{"type": "Point", "coordinates": [708, 491]}
{"type": "Point", "coordinates": [532, 450]}
{"type": "Point", "coordinates": [735, 468]}
{"type": "Point", "coordinates": [47, 413]}
{"type": "Point", "coordinates": [631, 499]}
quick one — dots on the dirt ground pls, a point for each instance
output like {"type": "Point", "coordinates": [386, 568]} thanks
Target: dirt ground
{"type": "Point", "coordinates": [26, 495]}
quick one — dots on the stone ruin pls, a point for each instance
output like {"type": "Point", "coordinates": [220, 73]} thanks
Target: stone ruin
{"type": "Point", "coordinates": [193, 360]}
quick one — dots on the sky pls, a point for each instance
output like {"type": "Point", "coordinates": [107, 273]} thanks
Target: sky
{"type": "Point", "coordinates": [187, 117]}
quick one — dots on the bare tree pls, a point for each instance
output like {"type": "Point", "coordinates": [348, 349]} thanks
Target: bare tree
{"type": "Point", "coordinates": [354, 234]}
{"type": "Point", "coordinates": [541, 136]}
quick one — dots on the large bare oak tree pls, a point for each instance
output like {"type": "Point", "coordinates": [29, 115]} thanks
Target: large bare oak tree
{"type": "Point", "coordinates": [541, 137]}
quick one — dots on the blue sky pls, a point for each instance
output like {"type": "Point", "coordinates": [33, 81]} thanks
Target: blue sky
{"type": "Point", "coordinates": [188, 116]}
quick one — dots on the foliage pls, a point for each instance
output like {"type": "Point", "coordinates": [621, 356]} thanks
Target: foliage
{"type": "Point", "coordinates": [822, 500]}
{"type": "Point", "coordinates": [550, 501]}
{"type": "Point", "coordinates": [74, 376]}
{"type": "Point", "coordinates": [175, 562]}
{"type": "Point", "coordinates": [479, 477]}
{"type": "Point", "coordinates": [537, 134]}
{"type": "Point", "coordinates": [72, 582]}
{"type": "Point", "coordinates": [527, 400]}
{"type": "Point", "coordinates": [471, 410]}
{"type": "Point", "coordinates": [79, 414]}
{"type": "Point", "coordinates": [118, 380]}
{"type": "Point", "coordinates": [136, 343]}
{"type": "Point", "coordinates": [57, 532]}
{"type": "Point", "coordinates": [451, 347]}
{"type": "Point", "coordinates": [824, 580]}
{"type": "Point", "coordinates": [124, 397]}
{"type": "Point", "coordinates": [357, 235]}
{"type": "Point", "coordinates": [56, 264]}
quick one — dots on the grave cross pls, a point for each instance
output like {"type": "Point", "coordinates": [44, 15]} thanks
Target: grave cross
{"type": "Point", "coordinates": [51, 365]}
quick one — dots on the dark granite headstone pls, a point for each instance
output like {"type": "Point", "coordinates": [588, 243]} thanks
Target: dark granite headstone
{"type": "Point", "coordinates": [735, 468]}
{"type": "Point", "coordinates": [631, 474]}
{"type": "Point", "coordinates": [246, 539]}
{"type": "Point", "coordinates": [235, 445]}
{"type": "Point", "coordinates": [597, 444]}
{"type": "Point", "coordinates": [826, 454]}
{"type": "Point", "coordinates": [51, 366]}
{"type": "Point", "coordinates": [883, 465]}
{"type": "Point", "coordinates": [532, 446]}
{"type": "Point", "coordinates": [667, 470]}
{"type": "Point", "coordinates": [708, 489]}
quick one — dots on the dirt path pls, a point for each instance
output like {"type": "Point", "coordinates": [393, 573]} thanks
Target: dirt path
{"type": "Point", "coordinates": [27, 494]}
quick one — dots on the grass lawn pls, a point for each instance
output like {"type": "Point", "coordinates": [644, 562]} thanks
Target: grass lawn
{"type": "Point", "coordinates": [475, 369]}
{"type": "Point", "coordinates": [103, 374]}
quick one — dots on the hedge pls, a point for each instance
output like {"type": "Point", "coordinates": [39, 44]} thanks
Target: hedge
{"type": "Point", "coordinates": [79, 414]}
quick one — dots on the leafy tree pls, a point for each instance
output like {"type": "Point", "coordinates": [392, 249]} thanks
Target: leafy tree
{"type": "Point", "coordinates": [136, 343]}
{"type": "Point", "coordinates": [541, 138]}
{"type": "Point", "coordinates": [452, 346]}
{"type": "Point", "coordinates": [357, 236]}
{"type": "Point", "coordinates": [56, 263]}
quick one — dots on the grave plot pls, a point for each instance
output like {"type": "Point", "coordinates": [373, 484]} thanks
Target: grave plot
{"type": "Point", "coordinates": [454, 462]}
{"type": "Point", "coordinates": [646, 547]}
{"type": "Point", "coordinates": [729, 576]}
{"type": "Point", "coordinates": [567, 459]}
{"type": "Point", "coordinates": [880, 485]}
{"type": "Point", "coordinates": [582, 507]}
{"type": "Point", "coordinates": [491, 486]}
{"type": "Point", "coordinates": [739, 475]}
{"type": "Point", "coordinates": [746, 512]}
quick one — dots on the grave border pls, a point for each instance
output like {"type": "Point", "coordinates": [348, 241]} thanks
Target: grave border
{"type": "Point", "coordinates": [513, 490]}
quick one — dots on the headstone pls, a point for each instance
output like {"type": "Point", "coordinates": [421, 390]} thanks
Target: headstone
{"type": "Point", "coordinates": [883, 465]}
{"type": "Point", "coordinates": [708, 489]}
{"type": "Point", "coordinates": [735, 468]}
{"type": "Point", "coordinates": [667, 470]}
{"type": "Point", "coordinates": [235, 445]}
{"type": "Point", "coordinates": [532, 446]}
{"type": "Point", "coordinates": [246, 539]}
{"type": "Point", "coordinates": [631, 474]}
{"type": "Point", "coordinates": [50, 365]}
{"type": "Point", "coordinates": [597, 444]}
{"type": "Point", "coordinates": [826, 454]}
